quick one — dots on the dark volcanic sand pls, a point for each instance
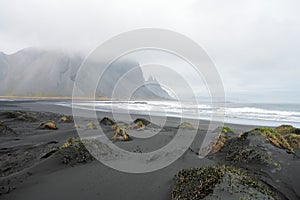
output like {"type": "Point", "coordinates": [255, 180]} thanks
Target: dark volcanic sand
{"type": "Point", "coordinates": [26, 175]}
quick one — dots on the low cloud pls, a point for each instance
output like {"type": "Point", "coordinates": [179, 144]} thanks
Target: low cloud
{"type": "Point", "coordinates": [254, 44]}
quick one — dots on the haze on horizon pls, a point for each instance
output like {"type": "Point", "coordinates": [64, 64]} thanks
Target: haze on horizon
{"type": "Point", "coordinates": [254, 44]}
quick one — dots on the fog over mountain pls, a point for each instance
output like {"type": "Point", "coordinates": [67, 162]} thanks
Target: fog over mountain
{"type": "Point", "coordinates": [38, 72]}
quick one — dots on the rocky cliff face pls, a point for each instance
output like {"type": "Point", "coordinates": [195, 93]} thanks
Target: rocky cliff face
{"type": "Point", "coordinates": [36, 72]}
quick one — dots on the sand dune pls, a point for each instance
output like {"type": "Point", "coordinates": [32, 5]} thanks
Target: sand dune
{"type": "Point", "coordinates": [39, 163]}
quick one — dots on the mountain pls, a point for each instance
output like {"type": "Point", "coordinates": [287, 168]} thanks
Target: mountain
{"type": "Point", "coordinates": [154, 87]}
{"type": "Point", "coordinates": [38, 72]}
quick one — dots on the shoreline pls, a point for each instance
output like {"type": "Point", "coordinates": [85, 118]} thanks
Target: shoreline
{"type": "Point", "coordinates": [33, 106]}
{"type": "Point", "coordinates": [257, 118]}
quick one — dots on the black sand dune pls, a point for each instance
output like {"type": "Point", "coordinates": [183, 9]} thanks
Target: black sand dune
{"type": "Point", "coordinates": [40, 163]}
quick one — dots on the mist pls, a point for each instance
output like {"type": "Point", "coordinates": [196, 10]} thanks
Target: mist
{"type": "Point", "coordinates": [254, 44]}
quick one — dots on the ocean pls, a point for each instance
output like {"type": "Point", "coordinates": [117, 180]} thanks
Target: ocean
{"type": "Point", "coordinates": [261, 114]}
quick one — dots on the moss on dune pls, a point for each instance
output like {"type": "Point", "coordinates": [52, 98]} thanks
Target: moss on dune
{"type": "Point", "coordinates": [198, 183]}
{"type": "Point", "coordinates": [248, 155]}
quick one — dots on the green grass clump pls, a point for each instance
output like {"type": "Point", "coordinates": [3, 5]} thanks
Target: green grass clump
{"type": "Point", "coordinates": [73, 151]}
{"type": "Point", "coordinates": [186, 125]}
{"type": "Point", "coordinates": [74, 141]}
{"type": "Point", "coordinates": [225, 129]}
{"type": "Point", "coordinates": [285, 129]}
{"type": "Point", "coordinates": [217, 145]}
{"type": "Point", "coordinates": [293, 140]}
{"type": "Point", "coordinates": [220, 141]}
{"type": "Point", "coordinates": [49, 124]}
{"type": "Point", "coordinates": [90, 125]}
{"type": "Point", "coordinates": [197, 183]}
{"type": "Point", "coordinates": [143, 121]}
{"type": "Point", "coordinates": [65, 118]}
{"type": "Point", "coordinates": [271, 135]}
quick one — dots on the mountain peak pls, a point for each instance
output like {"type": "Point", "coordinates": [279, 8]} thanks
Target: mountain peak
{"type": "Point", "coordinates": [38, 72]}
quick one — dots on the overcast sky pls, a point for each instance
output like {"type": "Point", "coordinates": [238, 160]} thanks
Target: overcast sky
{"type": "Point", "coordinates": [254, 44]}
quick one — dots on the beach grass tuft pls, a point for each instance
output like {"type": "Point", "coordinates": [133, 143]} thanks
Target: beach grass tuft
{"type": "Point", "coordinates": [90, 125]}
{"type": "Point", "coordinates": [185, 125]}
{"type": "Point", "coordinates": [293, 139]}
{"type": "Point", "coordinates": [51, 125]}
{"type": "Point", "coordinates": [65, 118]}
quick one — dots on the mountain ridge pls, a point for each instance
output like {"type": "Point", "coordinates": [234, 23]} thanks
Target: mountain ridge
{"type": "Point", "coordinates": [36, 72]}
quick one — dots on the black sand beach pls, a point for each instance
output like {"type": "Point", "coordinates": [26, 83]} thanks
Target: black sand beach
{"type": "Point", "coordinates": [34, 167]}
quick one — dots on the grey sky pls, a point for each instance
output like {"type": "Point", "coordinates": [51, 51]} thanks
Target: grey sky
{"type": "Point", "coordinates": [254, 44]}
